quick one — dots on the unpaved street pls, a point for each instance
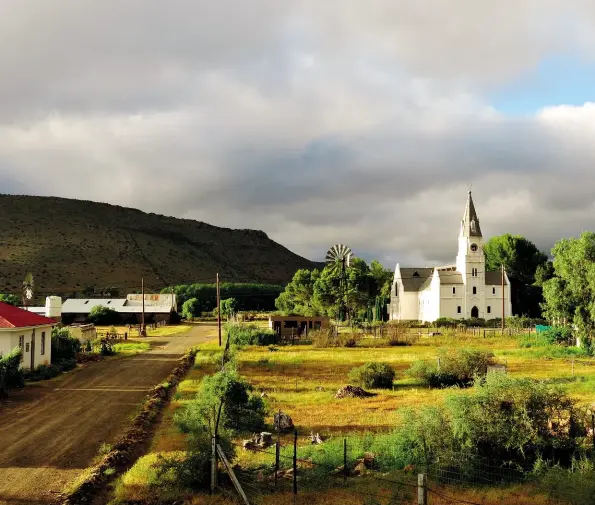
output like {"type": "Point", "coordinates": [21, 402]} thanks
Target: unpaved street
{"type": "Point", "coordinates": [50, 432]}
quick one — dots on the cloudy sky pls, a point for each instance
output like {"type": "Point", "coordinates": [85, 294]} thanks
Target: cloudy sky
{"type": "Point", "coordinates": [317, 121]}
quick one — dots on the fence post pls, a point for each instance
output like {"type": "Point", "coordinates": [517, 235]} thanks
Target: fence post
{"type": "Point", "coordinates": [422, 489]}
{"type": "Point", "coordinates": [295, 466]}
{"type": "Point", "coordinates": [277, 451]}
{"type": "Point", "coordinates": [344, 459]}
{"type": "Point", "coordinates": [573, 366]}
{"type": "Point", "coordinates": [213, 463]}
{"type": "Point", "coordinates": [593, 428]}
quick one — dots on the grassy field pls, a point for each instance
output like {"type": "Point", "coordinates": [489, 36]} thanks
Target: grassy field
{"type": "Point", "coordinates": [163, 331]}
{"type": "Point", "coordinates": [302, 381]}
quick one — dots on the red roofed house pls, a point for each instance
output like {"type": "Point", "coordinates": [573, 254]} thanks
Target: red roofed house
{"type": "Point", "coordinates": [27, 330]}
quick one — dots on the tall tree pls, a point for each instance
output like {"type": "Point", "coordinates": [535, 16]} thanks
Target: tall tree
{"type": "Point", "coordinates": [382, 277]}
{"type": "Point", "coordinates": [570, 295]}
{"type": "Point", "coordinates": [521, 259]}
{"type": "Point", "coordinates": [298, 296]}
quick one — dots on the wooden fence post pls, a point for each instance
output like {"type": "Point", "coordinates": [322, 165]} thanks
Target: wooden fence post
{"type": "Point", "coordinates": [213, 463]}
{"type": "Point", "coordinates": [344, 459]}
{"type": "Point", "coordinates": [295, 466]}
{"type": "Point", "coordinates": [422, 489]}
{"type": "Point", "coordinates": [277, 451]}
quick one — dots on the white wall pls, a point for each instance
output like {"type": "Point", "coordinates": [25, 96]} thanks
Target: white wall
{"type": "Point", "coordinates": [495, 301]}
{"type": "Point", "coordinates": [9, 339]}
{"type": "Point", "coordinates": [450, 302]}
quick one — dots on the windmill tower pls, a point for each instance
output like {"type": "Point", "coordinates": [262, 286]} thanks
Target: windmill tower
{"type": "Point", "coordinates": [28, 286]}
{"type": "Point", "coordinates": [338, 258]}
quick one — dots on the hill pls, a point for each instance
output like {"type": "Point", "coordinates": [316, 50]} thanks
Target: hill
{"type": "Point", "coordinates": [74, 246]}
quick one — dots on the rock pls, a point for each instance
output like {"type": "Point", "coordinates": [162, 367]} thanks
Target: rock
{"type": "Point", "coordinates": [352, 392]}
{"type": "Point", "coordinates": [369, 458]}
{"type": "Point", "coordinates": [359, 469]}
{"type": "Point", "coordinates": [319, 388]}
{"type": "Point", "coordinates": [283, 422]}
{"type": "Point", "coordinates": [315, 439]}
{"type": "Point", "coordinates": [265, 439]}
{"type": "Point", "coordinates": [249, 445]}
{"type": "Point", "coordinates": [264, 395]}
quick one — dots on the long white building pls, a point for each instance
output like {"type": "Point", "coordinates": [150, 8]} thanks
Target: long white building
{"type": "Point", "coordinates": [460, 291]}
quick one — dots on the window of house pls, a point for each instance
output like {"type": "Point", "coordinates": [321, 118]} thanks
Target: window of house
{"type": "Point", "coordinates": [493, 291]}
{"type": "Point", "coordinates": [459, 309]}
{"type": "Point", "coordinates": [27, 347]}
{"type": "Point", "coordinates": [474, 290]}
{"type": "Point", "coordinates": [489, 309]}
{"type": "Point", "coordinates": [454, 291]}
{"type": "Point", "coordinates": [42, 343]}
{"type": "Point", "coordinates": [22, 345]}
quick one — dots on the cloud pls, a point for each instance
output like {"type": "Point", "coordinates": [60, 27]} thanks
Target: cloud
{"type": "Point", "coordinates": [318, 122]}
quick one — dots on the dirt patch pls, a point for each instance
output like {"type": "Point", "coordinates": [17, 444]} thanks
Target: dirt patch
{"type": "Point", "coordinates": [352, 392]}
{"type": "Point", "coordinates": [124, 453]}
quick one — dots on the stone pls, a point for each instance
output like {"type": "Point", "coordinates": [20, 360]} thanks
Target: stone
{"type": "Point", "coordinates": [265, 439]}
{"type": "Point", "coordinates": [315, 439]}
{"type": "Point", "coordinates": [352, 392]}
{"type": "Point", "coordinates": [249, 445]}
{"type": "Point", "coordinates": [359, 469]}
{"type": "Point", "coordinates": [369, 458]}
{"type": "Point", "coordinates": [283, 422]}
{"type": "Point", "coordinates": [264, 395]}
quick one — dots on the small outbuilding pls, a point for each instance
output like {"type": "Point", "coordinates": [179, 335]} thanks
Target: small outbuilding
{"type": "Point", "coordinates": [288, 326]}
{"type": "Point", "coordinates": [27, 330]}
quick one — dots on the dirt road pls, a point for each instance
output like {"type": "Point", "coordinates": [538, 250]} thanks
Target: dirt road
{"type": "Point", "coordinates": [50, 432]}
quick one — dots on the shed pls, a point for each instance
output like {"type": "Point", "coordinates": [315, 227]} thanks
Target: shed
{"type": "Point", "coordinates": [286, 326]}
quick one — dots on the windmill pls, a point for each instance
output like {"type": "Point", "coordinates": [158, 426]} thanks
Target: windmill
{"type": "Point", "coordinates": [28, 285]}
{"type": "Point", "coordinates": [338, 259]}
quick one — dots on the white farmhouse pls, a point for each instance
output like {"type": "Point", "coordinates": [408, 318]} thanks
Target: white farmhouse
{"type": "Point", "coordinates": [27, 330]}
{"type": "Point", "coordinates": [460, 291]}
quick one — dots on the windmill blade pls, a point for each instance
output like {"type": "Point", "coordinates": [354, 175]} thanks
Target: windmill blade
{"type": "Point", "coordinates": [339, 253]}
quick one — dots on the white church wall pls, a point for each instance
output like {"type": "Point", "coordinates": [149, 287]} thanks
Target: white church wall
{"type": "Point", "coordinates": [450, 302]}
{"type": "Point", "coordinates": [409, 306]}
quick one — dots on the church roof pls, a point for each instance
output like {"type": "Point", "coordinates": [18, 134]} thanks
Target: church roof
{"type": "Point", "coordinates": [414, 278]}
{"type": "Point", "coordinates": [470, 223]}
{"type": "Point", "coordinates": [450, 277]}
{"type": "Point", "coordinates": [495, 279]}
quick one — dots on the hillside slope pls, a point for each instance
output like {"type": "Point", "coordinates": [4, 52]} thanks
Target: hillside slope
{"type": "Point", "coordinates": [70, 245]}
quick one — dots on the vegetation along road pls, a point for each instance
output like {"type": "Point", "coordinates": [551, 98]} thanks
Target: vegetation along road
{"type": "Point", "coordinates": [51, 431]}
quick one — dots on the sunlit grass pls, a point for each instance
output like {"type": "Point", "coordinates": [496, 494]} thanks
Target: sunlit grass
{"type": "Point", "coordinates": [130, 348]}
{"type": "Point", "coordinates": [162, 331]}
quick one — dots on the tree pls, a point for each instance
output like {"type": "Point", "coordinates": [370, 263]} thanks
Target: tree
{"type": "Point", "coordinates": [383, 278]}
{"type": "Point", "coordinates": [298, 297]}
{"type": "Point", "coordinates": [191, 308]}
{"type": "Point", "coordinates": [10, 299]}
{"type": "Point", "coordinates": [521, 259]}
{"type": "Point", "coordinates": [103, 316]}
{"type": "Point", "coordinates": [228, 307]}
{"type": "Point", "coordinates": [569, 296]}
{"type": "Point", "coordinates": [359, 290]}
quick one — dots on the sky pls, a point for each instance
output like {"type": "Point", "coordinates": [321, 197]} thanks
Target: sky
{"type": "Point", "coordinates": [316, 121]}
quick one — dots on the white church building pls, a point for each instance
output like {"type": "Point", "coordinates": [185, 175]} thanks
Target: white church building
{"type": "Point", "coordinates": [459, 291]}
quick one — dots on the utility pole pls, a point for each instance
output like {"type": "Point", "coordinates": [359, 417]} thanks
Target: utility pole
{"type": "Point", "coordinates": [218, 310]}
{"type": "Point", "coordinates": [143, 328]}
{"type": "Point", "coordinates": [503, 315]}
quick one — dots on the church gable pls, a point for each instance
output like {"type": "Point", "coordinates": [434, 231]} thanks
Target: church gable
{"type": "Point", "coordinates": [414, 278]}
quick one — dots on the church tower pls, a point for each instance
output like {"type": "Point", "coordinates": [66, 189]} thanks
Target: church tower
{"type": "Point", "coordinates": [471, 262]}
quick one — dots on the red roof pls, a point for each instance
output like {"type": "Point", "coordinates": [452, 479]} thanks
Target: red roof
{"type": "Point", "coordinates": [14, 317]}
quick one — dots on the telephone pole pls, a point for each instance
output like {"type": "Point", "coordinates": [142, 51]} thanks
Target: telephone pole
{"type": "Point", "coordinates": [143, 328]}
{"type": "Point", "coordinates": [503, 315]}
{"type": "Point", "coordinates": [218, 310]}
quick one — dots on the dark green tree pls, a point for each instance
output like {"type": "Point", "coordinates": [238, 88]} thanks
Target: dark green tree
{"type": "Point", "coordinates": [10, 299]}
{"type": "Point", "coordinates": [521, 259]}
{"type": "Point", "coordinates": [191, 308]}
{"type": "Point", "coordinates": [298, 297]}
{"type": "Point", "coordinates": [569, 296]}
{"type": "Point", "coordinates": [383, 278]}
{"type": "Point", "coordinates": [103, 316]}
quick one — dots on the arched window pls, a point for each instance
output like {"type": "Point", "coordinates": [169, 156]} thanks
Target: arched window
{"type": "Point", "coordinates": [474, 290]}
{"type": "Point", "coordinates": [475, 312]}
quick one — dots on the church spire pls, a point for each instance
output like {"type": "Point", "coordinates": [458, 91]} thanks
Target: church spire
{"type": "Point", "coordinates": [470, 223]}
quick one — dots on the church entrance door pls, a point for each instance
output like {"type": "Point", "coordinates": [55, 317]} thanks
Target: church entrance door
{"type": "Point", "coordinates": [474, 312]}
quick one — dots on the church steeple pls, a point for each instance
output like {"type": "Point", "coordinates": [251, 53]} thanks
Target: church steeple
{"type": "Point", "coordinates": [470, 223]}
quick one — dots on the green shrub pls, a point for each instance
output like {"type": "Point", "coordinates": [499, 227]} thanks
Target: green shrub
{"type": "Point", "coordinates": [44, 372]}
{"type": "Point", "coordinates": [191, 308]}
{"type": "Point", "coordinates": [250, 334]}
{"type": "Point", "coordinates": [557, 335]}
{"type": "Point", "coordinates": [11, 375]}
{"type": "Point", "coordinates": [64, 346]}
{"type": "Point", "coordinates": [103, 316]}
{"type": "Point", "coordinates": [373, 375]}
{"type": "Point", "coordinates": [453, 367]}
{"type": "Point", "coordinates": [575, 485]}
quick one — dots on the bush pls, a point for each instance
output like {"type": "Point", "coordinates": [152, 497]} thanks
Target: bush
{"type": "Point", "coordinates": [507, 422]}
{"type": "Point", "coordinates": [575, 485]}
{"type": "Point", "coordinates": [250, 334]}
{"type": "Point", "coordinates": [11, 375]}
{"type": "Point", "coordinates": [331, 338]}
{"type": "Point", "coordinates": [373, 375]}
{"type": "Point", "coordinates": [64, 346]}
{"type": "Point", "coordinates": [557, 335]}
{"type": "Point", "coordinates": [44, 372]}
{"type": "Point", "coordinates": [191, 308]}
{"type": "Point", "coordinates": [103, 316]}
{"type": "Point", "coordinates": [453, 367]}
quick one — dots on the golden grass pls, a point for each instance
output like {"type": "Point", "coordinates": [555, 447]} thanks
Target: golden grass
{"type": "Point", "coordinates": [302, 381]}
{"type": "Point", "coordinates": [162, 331]}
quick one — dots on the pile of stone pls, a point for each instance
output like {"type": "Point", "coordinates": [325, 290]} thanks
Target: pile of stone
{"type": "Point", "coordinates": [283, 422]}
{"type": "Point", "coordinates": [258, 441]}
{"type": "Point", "coordinates": [359, 467]}
{"type": "Point", "coordinates": [352, 392]}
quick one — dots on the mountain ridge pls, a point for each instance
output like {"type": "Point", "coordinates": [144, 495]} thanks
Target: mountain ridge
{"type": "Point", "coordinates": [73, 245]}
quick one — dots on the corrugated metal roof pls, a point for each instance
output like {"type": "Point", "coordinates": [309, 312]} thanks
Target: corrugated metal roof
{"type": "Point", "coordinates": [120, 305]}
